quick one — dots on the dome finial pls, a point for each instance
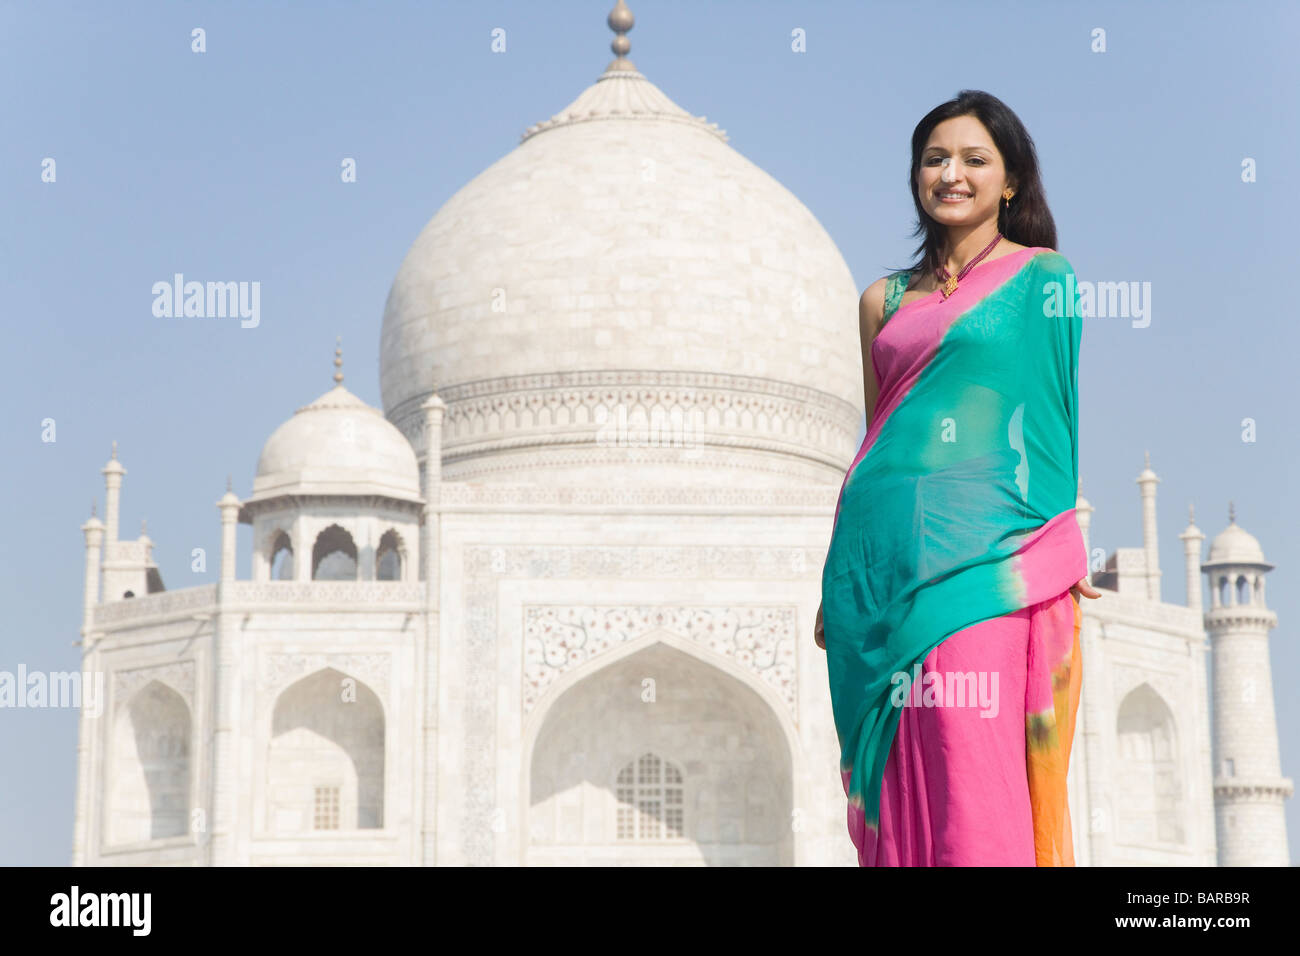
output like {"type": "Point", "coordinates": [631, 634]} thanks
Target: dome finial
{"type": "Point", "coordinates": [620, 20]}
{"type": "Point", "coordinates": [115, 450]}
{"type": "Point", "coordinates": [1232, 514]}
{"type": "Point", "coordinates": [1191, 513]}
{"type": "Point", "coordinates": [338, 360]}
{"type": "Point", "coordinates": [1146, 459]}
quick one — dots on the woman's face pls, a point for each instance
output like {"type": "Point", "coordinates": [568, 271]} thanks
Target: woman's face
{"type": "Point", "coordinates": [959, 157]}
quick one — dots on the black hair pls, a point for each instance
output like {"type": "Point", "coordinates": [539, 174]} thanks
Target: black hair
{"type": "Point", "coordinates": [1028, 221]}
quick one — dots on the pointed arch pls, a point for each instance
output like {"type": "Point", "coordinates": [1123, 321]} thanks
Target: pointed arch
{"type": "Point", "coordinates": [1150, 806]}
{"type": "Point", "coordinates": [326, 756]}
{"type": "Point", "coordinates": [1243, 589]}
{"type": "Point", "coordinates": [149, 789]}
{"type": "Point", "coordinates": [390, 556]}
{"type": "Point", "coordinates": [281, 557]}
{"type": "Point", "coordinates": [727, 738]}
{"type": "Point", "coordinates": [334, 555]}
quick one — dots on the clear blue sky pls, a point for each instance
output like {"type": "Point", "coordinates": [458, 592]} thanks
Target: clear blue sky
{"type": "Point", "coordinates": [226, 165]}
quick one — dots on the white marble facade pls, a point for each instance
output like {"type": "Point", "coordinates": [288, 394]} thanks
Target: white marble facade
{"type": "Point", "coordinates": [583, 635]}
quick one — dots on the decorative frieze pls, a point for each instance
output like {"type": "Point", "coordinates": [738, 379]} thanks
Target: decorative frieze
{"type": "Point", "coordinates": [560, 638]}
{"type": "Point", "coordinates": [160, 604]}
{"type": "Point", "coordinates": [1240, 790]}
{"type": "Point", "coordinates": [279, 670]}
{"type": "Point", "coordinates": [317, 593]}
{"type": "Point", "coordinates": [687, 411]}
{"type": "Point", "coordinates": [178, 675]}
{"type": "Point", "coordinates": [304, 594]}
{"type": "Point", "coordinates": [810, 499]}
{"type": "Point", "coordinates": [1171, 688]}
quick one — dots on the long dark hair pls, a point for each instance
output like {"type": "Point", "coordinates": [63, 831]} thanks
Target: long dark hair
{"type": "Point", "coordinates": [1028, 221]}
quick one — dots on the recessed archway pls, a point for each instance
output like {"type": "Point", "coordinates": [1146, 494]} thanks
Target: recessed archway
{"type": "Point", "coordinates": [1149, 805]}
{"type": "Point", "coordinates": [325, 764]}
{"type": "Point", "coordinates": [714, 741]}
{"type": "Point", "coordinates": [334, 556]}
{"type": "Point", "coordinates": [150, 784]}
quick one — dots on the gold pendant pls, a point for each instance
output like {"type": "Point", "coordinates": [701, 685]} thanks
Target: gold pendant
{"type": "Point", "coordinates": [950, 286]}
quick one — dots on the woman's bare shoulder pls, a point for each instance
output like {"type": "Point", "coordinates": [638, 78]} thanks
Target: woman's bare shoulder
{"type": "Point", "coordinates": [871, 307]}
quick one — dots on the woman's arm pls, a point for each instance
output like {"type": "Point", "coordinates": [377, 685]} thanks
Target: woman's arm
{"type": "Point", "coordinates": [871, 308]}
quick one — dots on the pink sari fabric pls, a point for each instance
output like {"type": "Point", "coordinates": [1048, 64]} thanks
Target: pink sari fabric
{"type": "Point", "coordinates": [964, 789]}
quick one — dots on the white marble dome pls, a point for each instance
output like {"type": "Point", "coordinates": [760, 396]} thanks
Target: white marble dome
{"type": "Point", "coordinates": [1234, 545]}
{"type": "Point", "coordinates": [623, 266]}
{"type": "Point", "coordinates": [337, 445]}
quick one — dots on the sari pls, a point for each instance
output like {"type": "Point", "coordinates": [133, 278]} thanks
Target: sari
{"type": "Point", "coordinates": [956, 520]}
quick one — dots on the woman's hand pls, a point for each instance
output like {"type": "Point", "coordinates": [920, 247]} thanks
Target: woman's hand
{"type": "Point", "coordinates": [819, 630]}
{"type": "Point", "coordinates": [1084, 588]}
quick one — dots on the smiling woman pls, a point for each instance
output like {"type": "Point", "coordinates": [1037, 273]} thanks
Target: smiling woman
{"type": "Point", "coordinates": [955, 549]}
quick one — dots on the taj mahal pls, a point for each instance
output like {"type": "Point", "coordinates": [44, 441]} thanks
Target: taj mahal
{"type": "Point", "coordinates": [553, 602]}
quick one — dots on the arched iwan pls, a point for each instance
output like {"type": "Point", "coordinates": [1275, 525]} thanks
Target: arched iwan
{"type": "Point", "coordinates": [659, 752]}
{"type": "Point", "coordinates": [325, 756]}
{"type": "Point", "coordinates": [149, 795]}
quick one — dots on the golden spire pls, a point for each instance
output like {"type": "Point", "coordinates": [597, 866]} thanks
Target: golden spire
{"type": "Point", "coordinates": [620, 20]}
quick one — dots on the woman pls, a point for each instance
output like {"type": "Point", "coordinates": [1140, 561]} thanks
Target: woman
{"type": "Point", "coordinates": [950, 612]}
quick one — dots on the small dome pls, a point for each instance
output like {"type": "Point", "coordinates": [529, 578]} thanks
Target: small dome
{"type": "Point", "coordinates": [1234, 546]}
{"type": "Point", "coordinates": [337, 445]}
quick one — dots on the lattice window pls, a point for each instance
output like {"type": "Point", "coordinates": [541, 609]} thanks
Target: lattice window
{"type": "Point", "coordinates": [650, 800]}
{"type": "Point", "coordinates": [326, 809]}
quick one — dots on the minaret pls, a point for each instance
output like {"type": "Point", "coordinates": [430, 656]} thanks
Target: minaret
{"type": "Point", "coordinates": [93, 529]}
{"type": "Point", "coordinates": [1249, 788]}
{"type": "Point", "coordinates": [229, 505]}
{"type": "Point", "coordinates": [218, 833]}
{"type": "Point", "coordinates": [1191, 539]}
{"type": "Point", "coordinates": [220, 826]}
{"type": "Point", "coordinates": [1147, 481]}
{"type": "Point", "coordinates": [112, 473]}
{"type": "Point", "coordinates": [127, 567]}
{"type": "Point", "coordinates": [94, 532]}
{"type": "Point", "coordinates": [434, 409]}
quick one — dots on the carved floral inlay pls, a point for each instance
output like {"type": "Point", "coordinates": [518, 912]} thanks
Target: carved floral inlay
{"type": "Point", "coordinates": [560, 638]}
